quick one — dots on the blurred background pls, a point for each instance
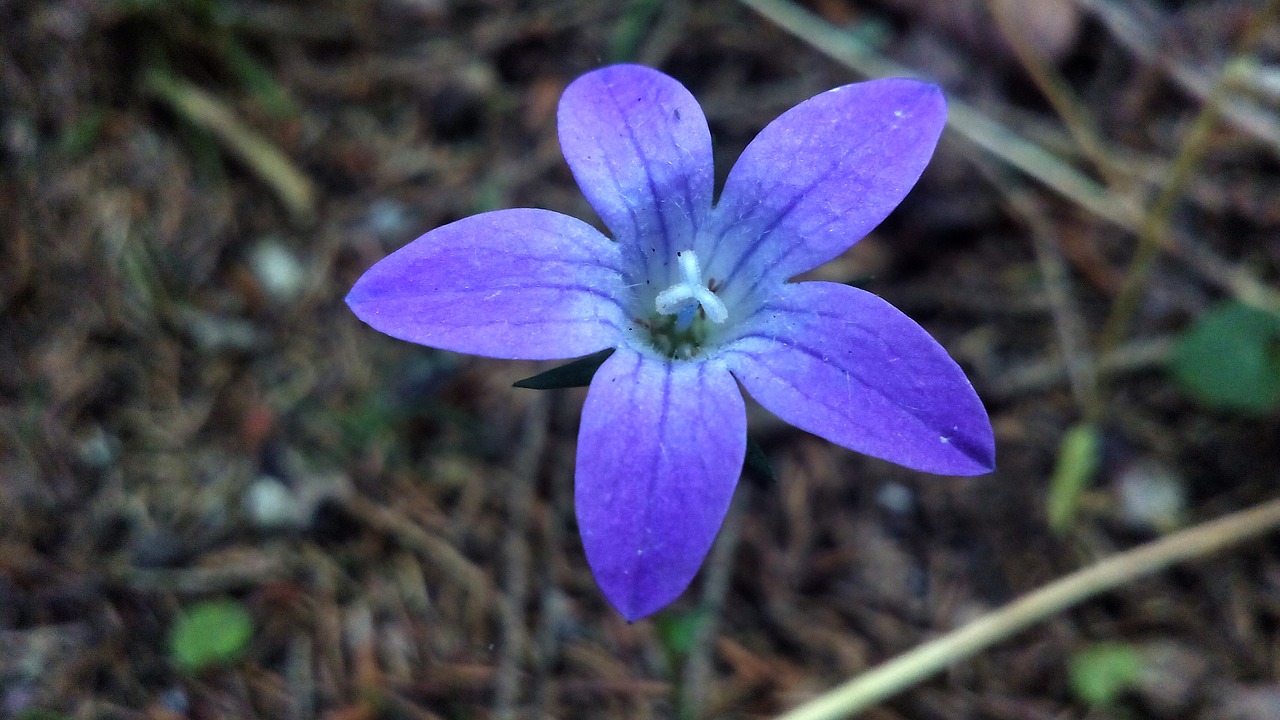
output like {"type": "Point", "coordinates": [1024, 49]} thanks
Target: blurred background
{"type": "Point", "coordinates": [222, 496]}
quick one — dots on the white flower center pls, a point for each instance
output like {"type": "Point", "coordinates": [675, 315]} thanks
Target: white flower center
{"type": "Point", "coordinates": [685, 297]}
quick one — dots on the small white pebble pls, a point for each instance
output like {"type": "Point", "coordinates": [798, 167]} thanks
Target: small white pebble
{"type": "Point", "coordinates": [272, 506]}
{"type": "Point", "coordinates": [97, 449]}
{"type": "Point", "coordinates": [277, 269]}
{"type": "Point", "coordinates": [896, 498]}
{"type": "Point", "coordinates": [388, 217]}
{"type": "Point", "coordinates": [1151, 495]}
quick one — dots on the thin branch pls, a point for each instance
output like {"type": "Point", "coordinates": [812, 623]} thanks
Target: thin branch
{"type": "Point", "coordinates": [1075, 116]}
{"type": "Point", "coordinates": [520, 492]}
{"type": "Point", "coordinates": [1018, 152]}
{"type": "Point", "coordinates": [1134, 34]}
{"type": "Point", "coordinates": [1153, 232]}
{"type": "Point", "coordinates": [1067, 319]}
{"type": "Point", "coordinates": [698, 667]}
{"type": "Point", "coordinates": [294, 189]}
{"type": "Point", "coordinates": [965, 119]}
{"type": "Point", "coordinates": [931, 658]}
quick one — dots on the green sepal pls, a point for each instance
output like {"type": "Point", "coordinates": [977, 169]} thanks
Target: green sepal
{"type": "Point", "coordinates": [574, 374]}
{"type": "Point", "coordinates": [758, 463]}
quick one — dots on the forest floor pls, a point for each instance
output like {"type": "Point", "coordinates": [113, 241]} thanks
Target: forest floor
{"type": "Point", "coordinates": [189, 412]}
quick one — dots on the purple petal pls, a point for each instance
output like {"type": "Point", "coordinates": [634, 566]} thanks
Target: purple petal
{"type": "Point", "coordinates": [659, 454]}
{"type": "Point", "coordinates": [843, 364]}
{"type": "Point", "coordinates": [821, 176]}
{"type": "Point", "coordinates": [519, 284]}
{"type": "Point", "coordinates": [639, 146]}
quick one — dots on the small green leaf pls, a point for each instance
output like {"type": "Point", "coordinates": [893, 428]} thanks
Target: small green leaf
{"type": "Point", "coordinates": [1101, 673]}
{"type": "Point", "coordinates": [259, 80]}
{"type": "Point", "coordinates": [1230, 359]}
{"type": "Point", "coordinates": [1077, 462]}
{"type": "Point", "coordinates": [575, 374]}
{"type": "Point", "coordinates": [84, 133]}
{"type": "Point", "coordinates": [637, 18]}
{"type": "Point", "coordinates": [210, 633]}
{"type": "Point", "coordinates": [679, 630]}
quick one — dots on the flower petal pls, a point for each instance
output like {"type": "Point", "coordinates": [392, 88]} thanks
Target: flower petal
{"type": "Point", "coordinates": [518, 284]}
{"type": "Point", "coordinates": [659, 454]}
{"type": "Point", "coordinates": [843, 364]}
{"type": "Point", "coordinates": [822, 175]}
{"type": "Point", "coordinates": [639, 147]}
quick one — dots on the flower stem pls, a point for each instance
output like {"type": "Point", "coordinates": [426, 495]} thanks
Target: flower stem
{"type": "Point", "coordinates": [932, 657]}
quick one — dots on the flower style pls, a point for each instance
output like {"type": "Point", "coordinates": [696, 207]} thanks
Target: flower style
{"type": "Point", "coordinates": [695, 295]}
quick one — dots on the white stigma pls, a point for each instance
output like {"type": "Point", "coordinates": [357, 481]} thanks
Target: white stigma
{"type": "Point", "coordinates": [691, 292]}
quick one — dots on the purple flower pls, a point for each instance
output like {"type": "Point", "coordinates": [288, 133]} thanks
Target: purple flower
{"type": "Point", "coordinates": [695, 297]}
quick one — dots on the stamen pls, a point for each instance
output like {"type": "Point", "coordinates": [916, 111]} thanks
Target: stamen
{"type": "Point", "coordinates": [690, 293]}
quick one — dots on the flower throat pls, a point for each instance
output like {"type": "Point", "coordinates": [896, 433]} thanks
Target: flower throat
{"type": "Point", "coordinates": [687, 312]}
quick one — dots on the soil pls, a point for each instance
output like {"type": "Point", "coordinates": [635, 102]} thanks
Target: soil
{"type": "Point", "coordinates": [189, 412]}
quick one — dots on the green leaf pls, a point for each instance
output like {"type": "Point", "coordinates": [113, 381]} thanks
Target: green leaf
{"type": "Point", "coordinates": [84, 133]}
{"type": "Point", "coordinates": [1101, 673]}
{"type": "Point", "coordinates": [575, 374]}
{"type": "Point", "coordinates": [259, 80]}
{"type": "Point", "coordinates": [1230, 359]}
{"type": "Point", "coordinates": [1077, 462]}
{"type": "Point", "coordinates": [210, 633]}
{"type": "Point", "coordinates": [637, 18]}
{"type": "Point", "coordinates": [679, 630]}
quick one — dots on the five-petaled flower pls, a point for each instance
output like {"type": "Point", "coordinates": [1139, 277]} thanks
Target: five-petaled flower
{"type": "Point", "coordinates": [695, 297]}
